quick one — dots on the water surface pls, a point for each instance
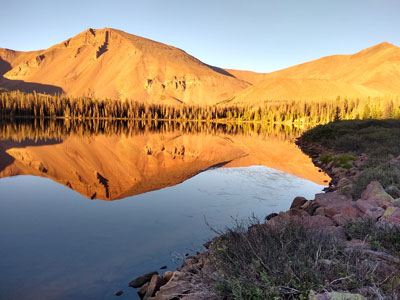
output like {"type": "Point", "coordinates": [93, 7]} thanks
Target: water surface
{"type": "Point", "coordinates": [57, 243]}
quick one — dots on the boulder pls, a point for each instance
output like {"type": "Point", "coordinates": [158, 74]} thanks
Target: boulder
{"type": "Point", "coordinates": [310, 207]}
{"type": "Point", "coordinates": [326, 199]}
{"type": "Point", "coordinates": [369, 210]}
{"type": "Point", "coordinates": [391, 215]}
{"type": "Point", "coordinates": [336, 296]}
{"type": "Point", "coordinates": [297, 202]}
{"type": "Point", "coordinates": [320, 211]}
{"type": "Point", "coordinates": [270, 216]}
{"type": "Point", "coordinates": [155, 283]}
{"type": "Point", "coordinates": [340, 219]}
{"type": "Point", "coordinates": [190, 260]}
{"type": "Point", "coordinates": [317, 222]}
{"type": "Point", "coordinates": [333, 202]}
{"type": "Point", "coordinates": [176, 287]}
{"type": "Point", "coordinates": [142, 279]}
{"type": "Point", "coordinates": [167, 275]}
{"type": "Point", "coordinates": [374, 193]}
{"type": "Point", "coordinates": [297, 212]}
{"type": "Point", "coordinates": [143, 289]}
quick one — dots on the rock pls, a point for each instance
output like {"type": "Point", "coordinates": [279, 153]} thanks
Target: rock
{"type": "Point", "coordinates": [333, 203]}
{"type": "Point", "coordinates": [320, 211]}
{"type": "Point", "coordinates": [190, 260]}
{"type": "Point", "coordinates": [350, 211]}
{"type": "Point", "coordinates": [340, 219]}
{"type": "Point", "coordinates": [297, 202]}
{"type": "Point", "coordinates": [167, 275]}
{"type": "Point", "coordinates": [118, 293]}
{"type": "Point", "coordinates": [319, 222]}
{"type": "Point", "coordinates": [336, 296]}
{"type": "Point", "coordinates": [310, 207]}
{"type": "Point", "coordinates": [177, 286]}
{"type": "Point", "coordinates": [142, 279]}
{"type": "Point", "coordinates": [155, 283]}
{"type": "Point", "coordinates": [369, 210]}
{"type": "Point", "coordinates": [376, 194]}
{"type": "Point", "coordinates": [270, 216]}
{"type": "Point", "coordinates": [297, 212]}
{"type": "Point", "coordinates": [396, 202]}
{"type": "Point", "coordinates": [391, 215]}
{"type": "Point", "coordinates": [393, 190]}
{"type": "Point", "coordinates": [143, 289]}
{"type": "Point", "coordinates": [331, 199]}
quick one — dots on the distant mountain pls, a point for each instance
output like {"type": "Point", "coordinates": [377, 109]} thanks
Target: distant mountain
{"type": "Point", "coordinates": [109, 63]}
{"type": "Point", "coordinates": [114, 64]}
{"type": "Point", "coordinates": [374, 71]}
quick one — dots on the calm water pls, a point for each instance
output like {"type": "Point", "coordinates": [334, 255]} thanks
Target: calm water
{"type": "Point", "coordinates": [56, 243]}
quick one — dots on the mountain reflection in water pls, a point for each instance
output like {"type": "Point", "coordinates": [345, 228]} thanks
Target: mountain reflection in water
{"type": "Point", "coordinates": [111, 160]}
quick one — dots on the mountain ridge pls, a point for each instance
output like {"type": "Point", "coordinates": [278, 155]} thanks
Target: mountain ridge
{"type": "Point", "coordinates": [110, 63]}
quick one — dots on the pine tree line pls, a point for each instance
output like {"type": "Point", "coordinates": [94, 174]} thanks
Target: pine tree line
{"type": "Point", "coordinates": [18, 104]}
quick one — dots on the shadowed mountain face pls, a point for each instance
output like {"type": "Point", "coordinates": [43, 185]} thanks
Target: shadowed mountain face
{"type": "Point", "coordinates": [116, 167]}
{"type": "Point", "coordinates": [114, 64]}
{"type": "Point", "coordinates": [373, 72]}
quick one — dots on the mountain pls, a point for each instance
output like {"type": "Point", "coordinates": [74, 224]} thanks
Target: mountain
{"type": "Point", "coordinates": [114, 64]}
{"type": "Point", "coordinates": [109, 63]}
{"type": "Point", "coordinates": [372, 72]}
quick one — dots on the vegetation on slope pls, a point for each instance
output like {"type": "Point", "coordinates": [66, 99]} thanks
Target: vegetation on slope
{"type": "Point", "coordinates": [293, 262]}
{"type": "Point", "coordinates": [378, 139]}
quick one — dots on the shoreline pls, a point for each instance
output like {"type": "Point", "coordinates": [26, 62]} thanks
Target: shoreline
{"type": "Point", "coordinates": [328, 212]}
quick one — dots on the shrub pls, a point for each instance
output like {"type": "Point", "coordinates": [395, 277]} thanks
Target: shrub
{"type": "Point", "coordinates": [263, 263]}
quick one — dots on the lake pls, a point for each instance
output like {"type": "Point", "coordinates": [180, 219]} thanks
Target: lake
{"type": "Point", "coordinates": [86, 208]}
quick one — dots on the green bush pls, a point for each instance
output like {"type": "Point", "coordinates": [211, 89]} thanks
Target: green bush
{"type": "Point", "coordinates": [381, 237]}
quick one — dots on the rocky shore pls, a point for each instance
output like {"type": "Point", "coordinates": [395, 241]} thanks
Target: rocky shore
{"type": "Point", "coordinates": [328, 212]}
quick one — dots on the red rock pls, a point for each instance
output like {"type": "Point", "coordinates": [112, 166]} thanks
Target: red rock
{"type": "Point", "coordinates": [391, 215]}
{"type": "Point", "coordinates": [297, 212]}
{"type": "Point", "coordinates": [317, 222]}
{"type": "Point", "coordinates": [332, 198]}
{"type": "Point", "coordinates": [376, 194]}
{"type": "Point", "coordinates": [340, 219]}
{"type": "Point", "coordinates": [350, 211]}
{"type": "Point", "coordinates": [320, 211]}
{"type": "Point", "coordinates": [369, 210]}
{"type": "Point", "coordinates": [297, 202]}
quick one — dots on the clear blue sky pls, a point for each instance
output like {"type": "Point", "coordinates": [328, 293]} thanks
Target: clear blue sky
{"type": "Point", "coordinates": [258, 35]}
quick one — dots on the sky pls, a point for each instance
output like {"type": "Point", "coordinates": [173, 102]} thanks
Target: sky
{"type": "Point", "coordinates": [256, 35]}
